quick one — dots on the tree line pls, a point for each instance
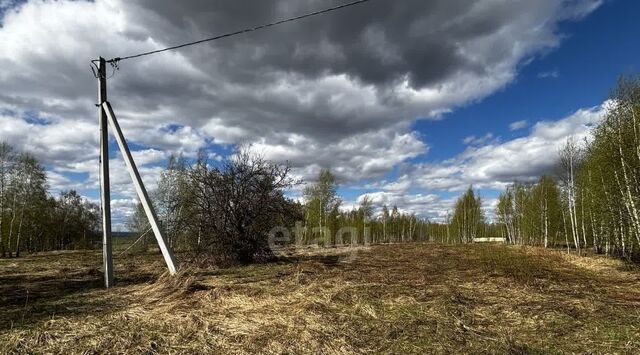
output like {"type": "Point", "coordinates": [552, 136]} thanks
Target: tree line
{"type": "Point", "coordinates": [593, 203]}
{"type": "Point", "coordinates": [31, 220]}
{"type": "Point", "coordinates": [226, 211]}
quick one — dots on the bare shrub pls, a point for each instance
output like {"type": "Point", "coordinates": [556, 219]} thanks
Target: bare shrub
{"type": "Point", "coordinates": [234, 205]}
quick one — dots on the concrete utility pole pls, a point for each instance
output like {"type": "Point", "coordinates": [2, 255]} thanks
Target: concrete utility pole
{"type": "Point", "coordinates": [105, 193]}
{"type": "Point", "coordinates": [107, 117]}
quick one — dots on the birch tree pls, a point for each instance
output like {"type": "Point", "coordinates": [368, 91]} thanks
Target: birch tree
{"type": "Point", "coordinates": [6, 165]}
{"type": "Point", "coordinates": [570, 156]}
{"type": "Point", "coordinates": [321, 198]}
{"type": "Point", "coordinates": [467, 216]}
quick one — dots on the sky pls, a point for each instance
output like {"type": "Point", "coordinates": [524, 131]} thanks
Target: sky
{"type": "Point", "coordinates": [407, 102]}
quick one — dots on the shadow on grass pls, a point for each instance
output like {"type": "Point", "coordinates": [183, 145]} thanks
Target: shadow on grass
{"type": "Point", "coordinates": [27, 304]}
{"type": "Point", "coordinates": [32, 290]}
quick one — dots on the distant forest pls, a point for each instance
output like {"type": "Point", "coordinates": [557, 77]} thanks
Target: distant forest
{"type": "Point", "coordinates": [228, 210]}
{"type": "Point", "coordinates": [30, 219]}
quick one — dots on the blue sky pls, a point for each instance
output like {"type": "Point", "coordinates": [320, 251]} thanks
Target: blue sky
{"type": "Point", "coordinates": [407, 102]}
{"type": "Point", "coordinates": [580, 73]}
{"type": "Point", "coordinates": [588, 62]}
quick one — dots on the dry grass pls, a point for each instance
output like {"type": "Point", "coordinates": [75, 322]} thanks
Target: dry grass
{"type": "Point", "coordinates": [410, 298]}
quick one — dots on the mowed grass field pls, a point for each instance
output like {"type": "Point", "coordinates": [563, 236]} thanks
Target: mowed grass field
{"type": "Point", "coordinates": [404, 298]}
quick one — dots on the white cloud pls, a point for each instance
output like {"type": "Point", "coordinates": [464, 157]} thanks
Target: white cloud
{"type": "Point", "coordinates": [518, 125]}
{"type": "Point", "coordinates": [361, 156]}
{"type": "Point", "coordinates": [495, 165]}
{"type": "Point", "coordinates": [492, 166]}
{"type": "Point", "coordinates": [554, 74]}
{"type": "Point", "coordinates": [430, 206]}
{"type": "Point", "coordinates": [473, 140]}
{"type": "Point", "coordinates": [343, 95]}
{"type": "Point", "coordinates": [423, 205]}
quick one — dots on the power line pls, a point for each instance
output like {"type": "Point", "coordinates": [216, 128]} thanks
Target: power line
{"type": "Point", "coordinates": [114, 61]}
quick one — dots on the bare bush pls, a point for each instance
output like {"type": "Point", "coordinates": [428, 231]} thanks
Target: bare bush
{"type": "Point", "coordinates": [236, 203]}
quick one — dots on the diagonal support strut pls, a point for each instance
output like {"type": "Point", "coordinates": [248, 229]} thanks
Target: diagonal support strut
{"type": "Point", "coordinates": [140, 189]}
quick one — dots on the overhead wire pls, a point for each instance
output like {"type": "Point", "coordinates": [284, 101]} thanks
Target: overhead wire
{"type": "Point", "coordinates": [115, 61]}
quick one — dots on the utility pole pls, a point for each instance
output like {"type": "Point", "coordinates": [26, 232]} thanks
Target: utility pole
{"type": "Point", "coordinates": [105, 193]}
{"type": "Point", "coordinates": [108, 118]}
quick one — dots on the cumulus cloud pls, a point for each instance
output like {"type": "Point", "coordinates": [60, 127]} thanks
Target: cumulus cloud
{"type": "Point", "coordinates": [336, 91]}
{"type": "Point", "coordinates": [491, 166]}
{"type": "Point", "coordinates": [423, 205]}
{"type": "Point", "coordinates": [430, 206]}
{"type": "Point", "coordinates": [360, 156]}
{"type": "Point", "coordinates": [356, 70]}
{"type": "Point", "coordinates": [495, 165]}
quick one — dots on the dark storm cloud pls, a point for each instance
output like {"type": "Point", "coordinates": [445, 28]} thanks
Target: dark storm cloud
{"type": "Point", "coordinates": [378, 46]}
{"type": "Point", "coordinates": [378, 42]}
{"type": "Point", "coordinates": [341, 85]}
{"type": "Point", "coordinates": [339, 90]}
